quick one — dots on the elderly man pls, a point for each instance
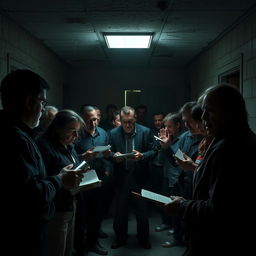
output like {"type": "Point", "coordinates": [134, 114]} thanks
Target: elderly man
{"type": "Point", "coordinates": [27, 193]}
{"type": "Point", "coordinates": [220, 213]}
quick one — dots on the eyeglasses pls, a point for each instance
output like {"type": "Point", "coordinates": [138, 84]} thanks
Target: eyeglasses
{"type": "Point", "coordinates": [43, 102]}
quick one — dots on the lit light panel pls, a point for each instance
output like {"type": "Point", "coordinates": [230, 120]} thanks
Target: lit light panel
{"type": "Point", "coordinates": [128, 41]}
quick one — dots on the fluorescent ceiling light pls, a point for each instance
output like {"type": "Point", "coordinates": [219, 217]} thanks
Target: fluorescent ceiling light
{"type": "Point", "coordinates": [128, 41]}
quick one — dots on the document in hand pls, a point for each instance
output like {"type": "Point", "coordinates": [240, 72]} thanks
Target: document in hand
{"type": "Point", "coordinates": [89, 181]}
{"type": "Point", "coordinates": [179, 155]}
{"type": "Point", "coordinates": [126, 155]}
{"type": "Point", "coordinates": [84, 165]}
{"type": "Point", "coordinates": [157, 138]}
{"type": "Point", "coordinates": [101, 148]}
{"type": "Point", "coordinates": [151, 196]}
{"type": "Point", "coordinates": [90, 178]}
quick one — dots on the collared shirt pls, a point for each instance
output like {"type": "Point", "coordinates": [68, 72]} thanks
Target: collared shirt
{"type": "Point", "coordinates": [87, 141]}
{"type": "Point", "coordinates": [171, 171]}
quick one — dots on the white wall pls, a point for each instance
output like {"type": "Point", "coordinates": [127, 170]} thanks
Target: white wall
{"type": "Point", "coordinates": [235, 48]}
{"type": "Point", "coordinates": [20, 49]}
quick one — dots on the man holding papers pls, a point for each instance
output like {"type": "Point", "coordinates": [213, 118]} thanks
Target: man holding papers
{"type": "Point", "coordinates": [57, 149]}
{"type": "Point", "coordinates": [221, 214]}
{"type": "Point", "coordinates": [93, 145]}
{"type": "Point", "coordinates": [130, 174]}
{"type": "Point", "coordinates": [171, 136]}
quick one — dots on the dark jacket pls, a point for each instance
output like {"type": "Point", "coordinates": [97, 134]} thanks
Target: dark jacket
{"type": "Point", "coordinates": [27, 192]}
{"type": "Point", "coordinates": [56, 156]}
{"type": "Point", "coordinates": [220, 215]}
{"type": "Point", "coordinates": [143, 144]}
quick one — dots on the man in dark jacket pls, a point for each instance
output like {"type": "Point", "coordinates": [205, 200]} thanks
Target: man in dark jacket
{"type": "Point", "coordinates": [27, 193]}
{"type": "Point", "coordinates": [130, 174]}
{"type": "Point", "coordinates": [220, 214]}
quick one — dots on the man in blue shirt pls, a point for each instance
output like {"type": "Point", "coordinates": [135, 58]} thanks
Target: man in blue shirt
{"type": "Point", "coordinates": [95, 200]}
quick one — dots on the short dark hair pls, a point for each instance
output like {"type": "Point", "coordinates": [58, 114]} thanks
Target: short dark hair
{"type": "Point", "coordinates": [109, 106]}
{"type": "Point", "coordinates": [86, 108]}
{"type": "Point", "coordinates": [141, 107]}
{"type": "Point", "coordinates": [19, 84]}
{"type": "Point", "coordinates": [115, 114]}
{"type": "Point", "coordinates": [159, 113]}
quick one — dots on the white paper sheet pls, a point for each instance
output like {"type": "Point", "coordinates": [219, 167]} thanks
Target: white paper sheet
{"type": "Point", "coordinates": [155, 197]}
{"type": "Point", "coordinates": [179, 155]}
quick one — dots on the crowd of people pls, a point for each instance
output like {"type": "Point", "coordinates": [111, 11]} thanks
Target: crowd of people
{"type": "Point", "coordinates": [211, 211]}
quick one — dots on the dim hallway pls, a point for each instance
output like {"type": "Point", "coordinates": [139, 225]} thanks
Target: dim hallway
{"type": "Point", "coordinates": [132, 247]}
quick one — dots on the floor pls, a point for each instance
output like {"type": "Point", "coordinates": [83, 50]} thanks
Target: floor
{"type": "Point", "coordinates": [132, 248]}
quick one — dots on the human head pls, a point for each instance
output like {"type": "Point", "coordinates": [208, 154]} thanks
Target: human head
{"type": "Point", "coordinates": [110, 109]}
{"type": "Point", "coordinates": [128, 120]}
{"type": "Point", "coordinates": [158, 120]}
{"type": "Point", "coordinates": [90, 117]}
{"type": "Point", "coordinates": [116, 119]}
{"type": "Point", "coordinates": [196, 113]}
{"type": "Point", "coordinates": [172, 122]}
{"type": "Point", "coordinates": [23, 93]}
{"type": "Point", "coordinates": [224, 111]}
{"type": "Point", "coordinates": [47, 116]}
{"type": "Point", "coordinates": [189, 122]}
{"type": "Point", "coordinates": [141, 113]}
{"type": "Point", "coordinates": [98, 114]}
{"type": "Point", "coordinates": [65, 126]}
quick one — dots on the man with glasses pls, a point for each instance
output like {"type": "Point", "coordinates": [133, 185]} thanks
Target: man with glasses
{"type": "Point", "coordinates": [95, 200]}
{"type": "Point", "coordinates": [27, 193]}
{"type": "Point", "coordinates": [130, 174]}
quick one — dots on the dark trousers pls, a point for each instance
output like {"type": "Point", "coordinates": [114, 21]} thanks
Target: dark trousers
{"type": "Point", "coordinates": [89, 216]}
{"type": "Point", "coordinates": [166, 191]}
{"type": "Point", "coordinates": [93, 215]}
{"type": "Point", "coordinates": [178, 225]}
{"type": "Point", "coordinates": [108, 193]}
{"type": "Point", "coordinates": [123, 200]}
{"type": "Point", "coordinates": [155, 179]}
{"type": "Point", "coordinates": [182, 188]}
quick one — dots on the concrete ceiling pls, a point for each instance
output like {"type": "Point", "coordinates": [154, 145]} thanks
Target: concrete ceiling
{"type": "Point", "coordinates": [73, 28]}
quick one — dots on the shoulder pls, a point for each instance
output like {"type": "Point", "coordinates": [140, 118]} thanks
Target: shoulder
{"type": "Point", "coordinates": [142, 128]}
{"type": "Point", "coordinates": [116, 130]}
{"type": "Point", "coordinates": [44, 142]}
{"type": "Point", "coordinates": [184, 135]}
{"type": "Point", "coordinates": [101, 131]}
